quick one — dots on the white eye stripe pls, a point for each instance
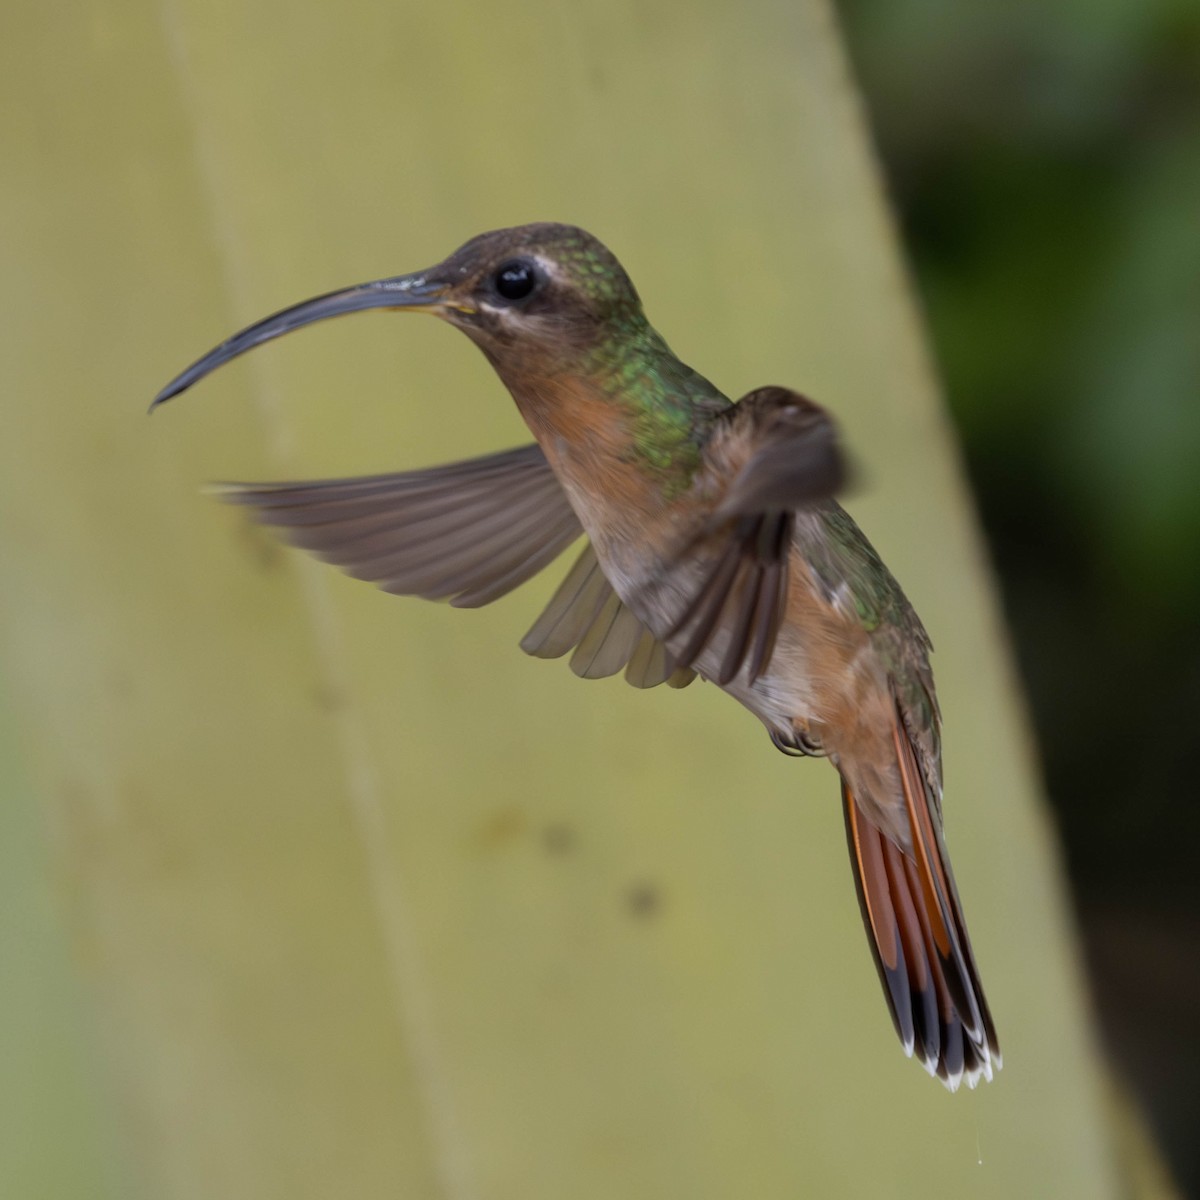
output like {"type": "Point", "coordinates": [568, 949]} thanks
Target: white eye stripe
{"type": "Point", "coordinates": [547, 267]}
{"type": "Point", "coordinates": [510, 314]}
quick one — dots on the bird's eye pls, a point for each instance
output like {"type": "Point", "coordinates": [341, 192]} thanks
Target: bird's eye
{"type": "Point", "coordinates": [515, 280]}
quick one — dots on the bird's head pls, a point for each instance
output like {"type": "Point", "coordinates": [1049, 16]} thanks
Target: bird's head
{"type": "Point", "coordinates": [547, 294]}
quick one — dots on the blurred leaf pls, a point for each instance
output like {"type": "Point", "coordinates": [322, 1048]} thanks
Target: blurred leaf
{"type": "Point", "coordinates": [364, 902]}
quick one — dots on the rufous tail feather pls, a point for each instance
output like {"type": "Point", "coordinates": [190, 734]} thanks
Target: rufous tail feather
{"type": "Point", "coordinates": [918, 936]}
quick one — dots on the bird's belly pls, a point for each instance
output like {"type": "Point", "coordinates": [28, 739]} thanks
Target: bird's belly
{"type": "Point", "coordinates": [788, 693]}
{"type": "Point", "coordinates": [818, 650]}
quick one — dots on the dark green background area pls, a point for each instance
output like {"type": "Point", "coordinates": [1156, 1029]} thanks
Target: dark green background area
{"type": "Point", "coordinates": [1045, 164]}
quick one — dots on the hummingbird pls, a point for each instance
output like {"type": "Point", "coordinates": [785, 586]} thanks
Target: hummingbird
{"type": "Point", "coordinates": [715, 548]}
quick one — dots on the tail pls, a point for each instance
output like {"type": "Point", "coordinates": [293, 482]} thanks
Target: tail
{"type": "Point", "coordinates": [918, 936]}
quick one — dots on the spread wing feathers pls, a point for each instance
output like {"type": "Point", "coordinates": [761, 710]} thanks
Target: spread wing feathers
{"type": "Point", "coordinates": [469, 532]}
{"type": "Point", "coordinates": [793, 461]}
{"type": "Point", "coordinates": [585, 615]}
{"type": "Point", "coordinates": [742, 591]}
{"type": "Point", "coordinates": [918, 937]}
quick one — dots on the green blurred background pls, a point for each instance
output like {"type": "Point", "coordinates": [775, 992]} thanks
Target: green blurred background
{"type": "Point", "coordinates": [1044, 160]}
{"type": "Point", "coordinates": [308, 891]}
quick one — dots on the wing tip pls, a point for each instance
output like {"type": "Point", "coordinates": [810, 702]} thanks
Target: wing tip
{"type": "Point", "coordinates": [233, 493]}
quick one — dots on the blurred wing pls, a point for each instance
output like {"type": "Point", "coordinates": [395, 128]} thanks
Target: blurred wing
{"type": "Point", "coordinates": [586, 615]}
{"type": "Point", "coordinates": [793, 460]}
{"type": "Point", "coordinates": [468, 532]}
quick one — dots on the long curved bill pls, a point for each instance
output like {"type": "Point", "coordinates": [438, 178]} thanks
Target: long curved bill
{"type": "Point", "coordinates": [413, 292]}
